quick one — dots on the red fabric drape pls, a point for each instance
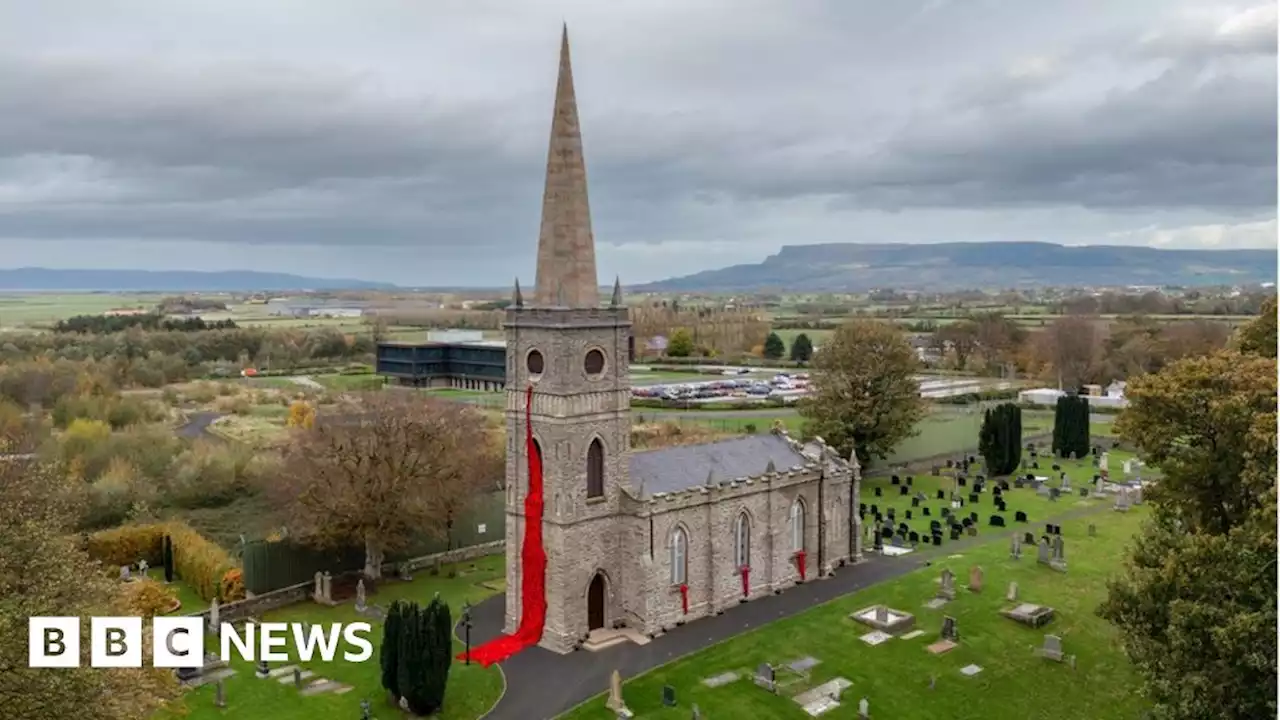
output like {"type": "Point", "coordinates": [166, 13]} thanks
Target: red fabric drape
{"type": "Point", "coordinates": [800, 563]}
{"type": "Point", "coordinates": [533, 596]}
{"type": "Point", "coordinates": [684, 598]}
{"type": "Point", "coordinates": [746, 581]}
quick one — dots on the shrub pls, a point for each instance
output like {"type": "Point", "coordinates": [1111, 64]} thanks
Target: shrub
{"type": "Point", "coordinates": [199, 562]}
{"type": "Point", "coordinates": [209, 475]}
{"type": "Point", "coordinates": [149, 598]}
{"type": "Point", "coordinates": [127, 545]}
{"type": "Point", "coordinates": [114, 493]}
{"type": "Point", "coordinates": [232, 586]}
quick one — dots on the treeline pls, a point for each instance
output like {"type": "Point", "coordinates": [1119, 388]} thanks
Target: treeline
{"type": "Point", "coordinates": [33, 366]}
{"type": "Point", "coordinates": [102, 324]}
{"type": "Point", "coordinates": [1193, 302]}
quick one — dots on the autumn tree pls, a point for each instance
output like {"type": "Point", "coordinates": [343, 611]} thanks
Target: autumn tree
{"type": "Point", "coordinates": [998, 339]}
{"type": "Point", "coordinates": [391, 467]}
{"type": "Point", "coordinates": [45, 572]}
{"type": "Point", "coordinates": [1070, 345]}
{"type": "Point", "coordinates": [801, 349]}
{"type": "Point", "coordinates": [1258, 337]}
{"type": "Point", "coordinates": [302, 414]}
{"type": "Point", "coordinates": [1188, 338]}
{"type": "Point", "coordinates": [864, 393]}
{"type": "Point", "coordinates": [1196, 607]}
{"type": "Point", "coordinates": [680, 344]}
{"type": "Point", "coordinates": [774, 347]}
{"type": "Point", "coordinates": [961, 339]}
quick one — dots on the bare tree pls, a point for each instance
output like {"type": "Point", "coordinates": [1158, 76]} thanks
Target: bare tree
{"type": "Point", "coordinates": [1071, 344]}
{"type": "Point", "coordinates": [392, 466]}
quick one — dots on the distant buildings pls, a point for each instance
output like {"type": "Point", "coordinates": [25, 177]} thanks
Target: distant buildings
{"type": "Point", "coordinates": [317, 309]}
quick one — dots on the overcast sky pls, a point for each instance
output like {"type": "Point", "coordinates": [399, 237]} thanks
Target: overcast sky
{"type": "Point", "coordinates": [404, 140]}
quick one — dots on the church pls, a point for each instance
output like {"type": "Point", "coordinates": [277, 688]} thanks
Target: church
{"type": "Point", "coordinates": [603, 541]}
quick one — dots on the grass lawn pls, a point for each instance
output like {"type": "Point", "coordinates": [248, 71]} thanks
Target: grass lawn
{"type": "Point", "coordinates": [1014, 683]}
{"type": "Point", "coordinates": [191, 601]}
{"type": "Point", "coordinates": [472, 690]}
{"type": "Point", "coordinates": [254, 430]}
{"type": "Point", "coordinates": [729, 424]}
{"type": "Point", "coordinates": [817, 337]}
{"type": "Point", "coordinates": [953, 430]}
{"type": "Point", "coordinates": [350, 383]}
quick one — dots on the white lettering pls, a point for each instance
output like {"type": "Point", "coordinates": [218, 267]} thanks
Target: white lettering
{"type": "Point", "coordinates": [315, 636]}
{"type": "Point", "coordinates": [273, 635]}
{"type": "Point", "coordinates": [353, 634]}
{"type": "Point", "coordinates": [243, 644]}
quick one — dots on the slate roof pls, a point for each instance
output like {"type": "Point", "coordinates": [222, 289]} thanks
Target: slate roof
{"type": "Point", "coordinates": [686, 466]}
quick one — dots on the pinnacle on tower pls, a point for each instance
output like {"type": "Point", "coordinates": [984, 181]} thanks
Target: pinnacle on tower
{"type": "Point", "coordinates": [566, 246]}
{"type": "Point", "coordinates": [517, 298]}
{"type": "Point", "coordinates": [616, 300]}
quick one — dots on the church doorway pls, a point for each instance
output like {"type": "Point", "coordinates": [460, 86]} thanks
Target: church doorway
{"type": "Point", "coordinates": [595, 603]}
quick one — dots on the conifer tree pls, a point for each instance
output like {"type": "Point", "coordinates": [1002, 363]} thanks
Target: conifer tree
{"type": "Point", "coordinates": [168, 559]}
{"type": "Point", "coordinates": [1071, 427]}
{"type": "Point", "coordinates": [1000, 440]}
{"type": "Point", "coordinates": [411, 671]}
{"type": "Point", "coordinates": [774, 347]}
{"type": "Point", "coordinates": [439, 653]}
{"type": "Point", "coordinates": [389, 657]}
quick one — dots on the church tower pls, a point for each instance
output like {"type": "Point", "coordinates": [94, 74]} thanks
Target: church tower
{"type": "Point", "coordinates": [573, 353]}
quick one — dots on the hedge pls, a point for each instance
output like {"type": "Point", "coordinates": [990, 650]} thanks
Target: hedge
{"type": "Point", "coordinates": [200, 563]}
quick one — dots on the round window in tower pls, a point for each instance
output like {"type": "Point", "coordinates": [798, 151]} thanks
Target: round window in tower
{"type": "Point", "coordinates": [593, 363]}
{"type": "Point", "coordinates": [533, 361]}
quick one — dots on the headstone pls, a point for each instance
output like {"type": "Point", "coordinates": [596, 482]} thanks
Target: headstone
{"type": "Point", "coordinates": [882, 614]}
{"type": "Point", "coordinates": [1122, 500]}
{"type": "Point", "coordinates": [1093, 530]}
{"type": "Point", "coordinates": [668, 696]}
{"type": "Point", "coordinates": [215, 622]}
{"type": "Point", "coordinates": [949, 630]}
{"type": "Point", "coordinates": [947, 588]}
{"type": "Point", "coordinates": [895, 480]}
{"type": "Point", "coordinates": [914, 537]}
{"type": "Point", "coordinates": [697, 714]}
{"type": "Point", "coordinates": [1019, 516]}
{"type": "Point", "coordinates": [1012, 594]}
{"type": "Point", "coordinates": [318, 593]}
{"type": "Point", "coordinates": [142, 568]}
{"type": "Point", "coordinates": [1059, 549]}
{"type": "Point", "coordinates": [1044, 552]}
{"type": "Point", "coordinates": [915, 502]}
{"type": "Point", "coordinates": [908, 514]}
{"type": "Point", "coordinates": [925, 512]}
{"type": "Point", "coordinates": [975, 579]}
{"type": "Point", "coordinates": [615, 702]}
{"type": "Point", "coordinates": [124, 572]}
{"type": "Point", "coordinates": [973, 497]}
{"type": "Point", "coordinates": [903, 490]}
{"type": "Point", "coordinates": [361, 599]}
{"type": "Point", "coordinates": [220, 695]}
{"type": "Point", "coordinates": [1029, 538]}
{"type": "Point", "coordinates": [1052, 649]}
{"type": "Point", "coordinates": [366, 710]}
{"type": "Point", "coordinates": [764, 677]}
{"type": "Point", "coordinates": [297, 678]}
{"type": "Point", "coordinates": [878, 492]}
{"type": "Point", "coordinates": [937, 540]}
{"type": "Point", "coordinates": [864, 709]}
{"type": "Point", "coordinates": [1015, 547]}
{"type": "Point", "coordinates": [264, 670]}
{"type": "Point", "coordinates": [941, 495]}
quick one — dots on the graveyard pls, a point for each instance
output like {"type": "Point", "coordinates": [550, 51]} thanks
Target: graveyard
{"type": "Point", "coordinates": [472, 690]}
{"type": "Point", "coordinates": [962, 658]}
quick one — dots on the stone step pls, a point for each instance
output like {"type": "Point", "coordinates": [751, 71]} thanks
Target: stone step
{"type": "Point", "coordinates": [306, 675]}
{"type": "Point", "coordinates": [323, 685]}
{"type": "Point", "coordinates": [275, 673]}
{"type": "Point", "coordinates": [208, 678]}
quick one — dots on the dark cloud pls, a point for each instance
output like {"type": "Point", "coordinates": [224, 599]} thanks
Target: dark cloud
{"type": "Point", "coordinates": [777, 124]}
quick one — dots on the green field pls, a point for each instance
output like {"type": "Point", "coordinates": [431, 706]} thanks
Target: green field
{"type": "Point", "coordinates": [34, 309]}
{"type": "Point", "coordinates": [896, 676]}
{"type": "Point", "coordinates": [471, 692]}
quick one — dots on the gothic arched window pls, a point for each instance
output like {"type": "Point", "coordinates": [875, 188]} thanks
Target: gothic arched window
{"type": "Point", "coordinates": [595, 469]}
{"type": "Point", "coordinates": [797, 525]}
{"type": "Point", "coordinates": [742, 541]}
{"type": "Point", "coordinates": [679, 557]}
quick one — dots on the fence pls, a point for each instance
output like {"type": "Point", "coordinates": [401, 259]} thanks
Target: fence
{"type": "Point", "coordinates": [270, 566]}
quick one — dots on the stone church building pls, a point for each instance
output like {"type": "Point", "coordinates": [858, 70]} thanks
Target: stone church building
{"type": "Point", "coordinates": [640, 540]}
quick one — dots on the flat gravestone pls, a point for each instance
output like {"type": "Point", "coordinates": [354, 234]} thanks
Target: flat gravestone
{"type": "Point", "coordinates": [723, 678]}
{"type": "Point", "coordinates": [876, 637]}
{"type": "Point", "coordinates": [970, 670]}
{"type": "Point", "coordinates": [912, 635]}
{"type": "Point", "coordinates": [941, 647]}
{"type": "Point", "coordinates": [804, 664]}
{"type": "Point", "coordinates": [935, 604]}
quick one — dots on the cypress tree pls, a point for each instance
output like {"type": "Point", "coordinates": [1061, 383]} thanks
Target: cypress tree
{"type": "Point", "coordinates": [389, 658]}
{"type": "Point", "coordinates": [774, 348]}
{"type": "Point", "coordinates": [439, 652]}
{"type": "Point", "coordinates": [168, 559]}
{"type": "Point", "coordinates": [1071, 426]}
{"type": "Point", "coordinates": [802, 348]}
{"type": "Point", "coordinates": [410, 667]}
{"type": "Point", "coordinates": [1000, 440]}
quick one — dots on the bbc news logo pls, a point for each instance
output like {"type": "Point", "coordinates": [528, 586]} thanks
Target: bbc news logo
{"type": "Point", "coordinates": [178, 642]}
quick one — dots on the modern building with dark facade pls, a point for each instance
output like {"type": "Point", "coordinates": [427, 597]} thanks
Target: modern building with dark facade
{"type": "Point", "coordinates": [474, 365]}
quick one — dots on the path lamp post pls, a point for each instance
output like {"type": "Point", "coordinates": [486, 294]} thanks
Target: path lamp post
{"type": "Point", "coordinates": [466, 628]}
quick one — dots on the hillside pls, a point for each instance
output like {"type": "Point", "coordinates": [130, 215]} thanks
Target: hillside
{"type": "Point", "coordinates": [49, 280]}
{"type": "Point", "coordinates": [854, 267]}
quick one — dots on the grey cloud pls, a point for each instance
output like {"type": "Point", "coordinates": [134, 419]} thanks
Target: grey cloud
{"type": "Point", "coordinates": [683, 129]}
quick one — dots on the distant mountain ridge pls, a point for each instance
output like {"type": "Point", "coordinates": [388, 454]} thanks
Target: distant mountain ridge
{"type": "Point", "coordinates": [856, 267]}
{"type": "Point", "coordinates": [47, 279]}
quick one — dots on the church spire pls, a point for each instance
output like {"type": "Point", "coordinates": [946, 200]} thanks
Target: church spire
{"type": "Point", "coordinates": [566, 247]}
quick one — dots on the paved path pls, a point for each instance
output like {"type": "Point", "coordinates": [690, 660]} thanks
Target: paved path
{"type": "Point", "coordinates": [197, 425]}
{"type": "Point", "coordinates": [541, 684]}
{"type": "Point", "coordinates": [305, 381]}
